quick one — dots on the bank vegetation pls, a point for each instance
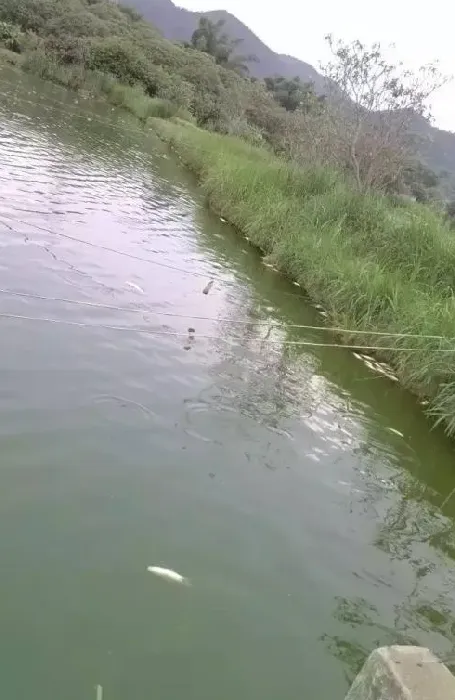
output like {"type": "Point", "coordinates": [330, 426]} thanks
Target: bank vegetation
{"type": "Point", "coordinates": [330, 187]}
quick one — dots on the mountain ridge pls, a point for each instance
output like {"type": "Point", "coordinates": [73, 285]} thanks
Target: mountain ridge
{"type": "Point", "coordinates": [178, 24]}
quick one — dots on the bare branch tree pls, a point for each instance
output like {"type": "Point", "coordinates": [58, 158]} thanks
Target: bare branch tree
{"type": "Point", "coordinates": [373, 105]}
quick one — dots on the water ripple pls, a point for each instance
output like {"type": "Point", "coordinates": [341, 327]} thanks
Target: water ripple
{"type": "Point", "coordinates": [284, 477]}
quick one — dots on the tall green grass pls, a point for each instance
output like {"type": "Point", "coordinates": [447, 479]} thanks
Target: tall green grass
{"type": "Point", "coordinates": [373, 264]}
{"type": "Point", "coordinates": [134, 100]}
{"type": "Point", "coordinates": [131, 98]}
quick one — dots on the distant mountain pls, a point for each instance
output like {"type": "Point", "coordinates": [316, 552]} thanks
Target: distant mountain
{"type": "Point", "coordinates": [438, 152]}
{"type": "Point", "coordinates": [178, 24]}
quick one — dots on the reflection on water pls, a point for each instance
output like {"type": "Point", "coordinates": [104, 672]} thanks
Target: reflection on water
{"type": "Point", "coordinates": [301, 491]}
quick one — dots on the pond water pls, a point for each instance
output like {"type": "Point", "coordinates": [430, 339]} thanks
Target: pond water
{"type": "Point", "coordinates": [303, 494]}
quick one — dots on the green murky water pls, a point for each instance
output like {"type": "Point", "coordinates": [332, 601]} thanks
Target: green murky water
{"type": "Point", "coordinates": [264, 471]}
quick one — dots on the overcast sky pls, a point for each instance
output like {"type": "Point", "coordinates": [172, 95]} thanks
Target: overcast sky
{"type": "Point", "coordinates": [298, 28]}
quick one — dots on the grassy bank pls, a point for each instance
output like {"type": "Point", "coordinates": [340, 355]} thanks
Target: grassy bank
{"type": "Point", "coordinates": [97, 85]}
{"type": "Point", "coordinates": [374, 264]}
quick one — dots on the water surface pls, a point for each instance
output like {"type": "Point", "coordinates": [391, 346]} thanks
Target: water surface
{"type": "Point", "coordinates": [303, 495]}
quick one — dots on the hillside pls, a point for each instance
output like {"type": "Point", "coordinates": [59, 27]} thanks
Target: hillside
{"type": "Point", "coordinates": [438, 152]}
{"type": "Point", "coordinates": [178, 24]}
{"type": "Point", "coordinates": [72, 41]}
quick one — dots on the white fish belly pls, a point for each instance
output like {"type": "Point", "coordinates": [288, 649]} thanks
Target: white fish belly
{"type": "Point", "coordinates": [168, 574]}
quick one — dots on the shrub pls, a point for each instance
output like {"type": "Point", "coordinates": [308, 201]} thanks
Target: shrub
{"type": "Point", "coordinates": [163, 109]}
{"type": "Point", "coordinates": [118, 57]}
{"type": "Point", "coordinates": [67, 49]}
{"type": "Point", "coordinates": [10, 36]}
{"type": "Point", "coordinates": [130, 12]}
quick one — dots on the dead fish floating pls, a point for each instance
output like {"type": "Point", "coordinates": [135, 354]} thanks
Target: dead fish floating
{"type": "Point", "coordinates": [207, 289]}
{"type": "Point", "coordinates": [396, 432]}
{"type": "Point", "coordinates": [168, 574]}
{"type": "Point", "coordinates": [134, 286]}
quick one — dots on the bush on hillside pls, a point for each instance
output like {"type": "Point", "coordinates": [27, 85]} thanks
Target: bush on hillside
{"type": "Point", "coordinates": [130, 12]}
{"type": "Point", "coordinates": [10, 36]}
{"type": "Point", "coordinates": [67, 49]}
{"type": "Point", "coordinates": [119, 58]}
{"type": "Point", "coordinates": [102, 37]}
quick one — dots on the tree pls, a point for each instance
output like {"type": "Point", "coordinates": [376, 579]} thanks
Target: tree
{"type": "Point", "coordinates": [291, 93]}
{"type": "Point", "coordinates": [373, 107]}
{"type": "Point", "coordinates": [421, 181]}
{"type": "Point", "coordinates": [209, 38]}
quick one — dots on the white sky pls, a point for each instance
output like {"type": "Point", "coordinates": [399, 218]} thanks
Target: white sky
{"type": "Point", "coordinates": [421, 34]}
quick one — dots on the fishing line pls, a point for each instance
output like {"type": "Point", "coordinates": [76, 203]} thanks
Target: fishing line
{"type": "Point", "coordinates": [205, 276]}
{"type": "Point", "coordinates": [108, 249]}
{"type": "Point", "coordinates": [88, 117]}
{"type": "Point", "coordinates": [189, 317]}
{"type": "Point", "coordinates": [194, 335]}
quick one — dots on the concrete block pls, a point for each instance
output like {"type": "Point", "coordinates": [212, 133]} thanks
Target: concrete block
{"type": "Point", "coordinates": [403, 673]}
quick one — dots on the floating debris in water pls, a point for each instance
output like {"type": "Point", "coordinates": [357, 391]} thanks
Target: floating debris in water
{"type": "Point", "coordinates": [389, 485]}
{"type": "Point", "coordinates": [189, 342]}
{"type": "Point", "coordinates": [269, 261]}
{"type": "Point", "coordinates": [296, 284]}
{"type": "Point", "coordinates": [376, 366]}
{"type": "Point", "coordinates": [207, 289]}
{"type": "Point", "coordinates": [167, 574]}
{"type": "Point", "coordinates": [223, 220]}
{"type": "Point", "coordinates": [99, 692]}
{"type": "Point", "coordinates": [396, 432]}
{"type": "Point", "coordinates": [132, 285]}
